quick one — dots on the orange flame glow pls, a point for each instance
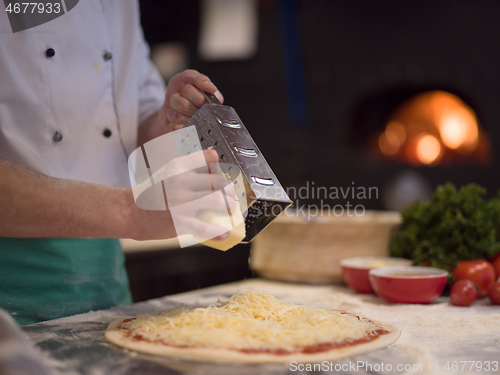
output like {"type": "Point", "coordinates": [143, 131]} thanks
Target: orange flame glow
{"type": "Point", "coordinates": [431, 127]}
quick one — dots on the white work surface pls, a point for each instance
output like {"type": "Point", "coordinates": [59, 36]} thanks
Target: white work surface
{"type": "Point", "coordinates": [436, 339]}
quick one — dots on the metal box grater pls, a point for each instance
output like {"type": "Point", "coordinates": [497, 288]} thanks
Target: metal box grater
{"type": "Point", "coordinates": [219, 127]}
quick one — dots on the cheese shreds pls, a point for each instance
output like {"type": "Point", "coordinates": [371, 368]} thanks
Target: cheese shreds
{"type": "Point", "coordinates": [249, 321]}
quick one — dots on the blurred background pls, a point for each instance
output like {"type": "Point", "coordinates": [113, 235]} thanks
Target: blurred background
{"type": "Point", "coordinates": [396, 96]}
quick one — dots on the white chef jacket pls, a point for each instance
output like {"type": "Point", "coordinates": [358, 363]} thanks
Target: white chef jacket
{"type": "Point", "coordinates": [73, 90]}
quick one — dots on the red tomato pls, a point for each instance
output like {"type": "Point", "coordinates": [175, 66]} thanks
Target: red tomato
{"type": "Point", "coordinates": [496, 264]}
{"type": "Point", "coordinates": [463, 293]}
{"type": "Point", "coordinates": [479, 271]}
{"type": "Point", "coordinates": [494, 293]}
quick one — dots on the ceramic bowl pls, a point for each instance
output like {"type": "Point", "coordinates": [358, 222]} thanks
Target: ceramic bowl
{"type": "Point", "coordinates": [408, 284]}
{"type": "Point", "coordinates": [355, 270]}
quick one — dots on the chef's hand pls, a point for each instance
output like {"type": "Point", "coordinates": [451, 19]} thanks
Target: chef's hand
{"type": "Point", "coordinates": [183, 98]}
{"type": "Point", "coordinates": [192, 184]}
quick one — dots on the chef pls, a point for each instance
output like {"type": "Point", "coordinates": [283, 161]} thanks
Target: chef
{"type": "Point", "coordinates": [77, 95]}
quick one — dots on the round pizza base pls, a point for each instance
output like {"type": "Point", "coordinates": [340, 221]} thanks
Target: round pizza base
{"type": "Point", "coordinates": [114, 336]}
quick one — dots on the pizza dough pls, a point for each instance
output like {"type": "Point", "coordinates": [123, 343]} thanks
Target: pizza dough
{"type": "Point", "coordinates": [251, 327]}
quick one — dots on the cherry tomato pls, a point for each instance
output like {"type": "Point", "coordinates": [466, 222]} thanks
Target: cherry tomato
{"type": "Point", "coordinates": [463, 293]}
{"type": "Point", "coordinates": [494, 292]}
{"type": "Point", "coordinates": [479, 271]}
{"type": "Point", "coordinates": [495, 262]}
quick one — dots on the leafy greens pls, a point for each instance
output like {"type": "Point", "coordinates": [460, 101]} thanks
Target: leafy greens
{"type": "Point", "coordinates": [454, 225]}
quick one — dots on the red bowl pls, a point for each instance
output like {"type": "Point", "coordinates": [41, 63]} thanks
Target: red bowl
{"type": "Point", "coordinates": [355, 270]}
{"type": "Point", "coordinates": [408, 284]}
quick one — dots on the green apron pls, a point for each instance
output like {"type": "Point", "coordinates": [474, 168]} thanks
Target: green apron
{"type": "Point", "coordinates": [42, 279]}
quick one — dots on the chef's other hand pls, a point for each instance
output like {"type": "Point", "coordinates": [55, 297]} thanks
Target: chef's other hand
{"type": "Point", "coordinates": [191, 190]}
{"type": "Point", "coordinates": [183, 98]}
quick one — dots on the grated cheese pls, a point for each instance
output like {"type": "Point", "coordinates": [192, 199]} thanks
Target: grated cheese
{"type": "Point", "coordinates": [250, 321]}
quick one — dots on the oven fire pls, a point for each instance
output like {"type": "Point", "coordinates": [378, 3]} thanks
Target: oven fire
{"type": "Point", "coordinates": [432, 128]}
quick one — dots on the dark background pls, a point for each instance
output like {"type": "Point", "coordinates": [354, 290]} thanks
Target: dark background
{"type": "Point", "coordinates": [357, 60]}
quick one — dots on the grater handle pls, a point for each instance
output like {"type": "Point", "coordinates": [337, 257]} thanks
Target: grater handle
{"type": "Point", "coordinates": [211, 98]}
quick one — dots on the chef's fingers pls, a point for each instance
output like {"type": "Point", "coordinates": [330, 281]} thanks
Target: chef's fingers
{"type": "Point", "coordinates": [186, 106]}
{"type": "Point", "coordinates": [177, 120]}
{"type": "Point", "coordinates": [219, 96]}
{"type": "Point", "coordinates": [189, 100]}
{"type": "Point", "coordinates": [184, 82]}
{"type": "Point", "coordinates": [194, 181]}
{"type": "Point", "coordinates": [193, 95]}
{"type": "Point", "coordinates": [202, 82]}
{"type": "Point", "coordinates": [211, 156]}
{"type": "Point", "coordinates": [204, 161]}
{"type": "Point", "coordinates": [201, 229]}
{"type": "Point", "coordinates": [199, 200]}
{"type": "Point", "coordinates": [196, 171]}
{"type": "Point", "coordinates": [217, 202]}
{"type": "Point", "coordinates": [219, 182]}
{"type": "Point", "coordinates": [197, 162]}
{"type": "Point", "coordinates": [209, 182]}
{"type": "Point", "coordinates": [201, 180]}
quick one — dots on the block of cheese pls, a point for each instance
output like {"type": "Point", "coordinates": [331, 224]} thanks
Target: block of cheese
{"type": "Point", "coordinates": [221, 219]}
